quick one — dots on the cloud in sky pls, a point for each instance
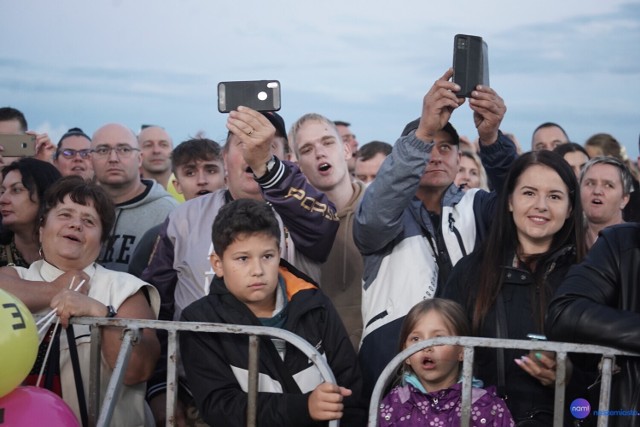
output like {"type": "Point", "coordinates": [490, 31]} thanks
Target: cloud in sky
{"type": "Point", "coordinates": [367, 62]}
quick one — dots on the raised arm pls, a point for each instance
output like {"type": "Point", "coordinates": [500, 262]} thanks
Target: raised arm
{"type": "Point", "coordinates": [496, 150]}
{"type": "Point", "coordinates": [306, 212]}
{"type": "Point", "coordinates": [379, 217]}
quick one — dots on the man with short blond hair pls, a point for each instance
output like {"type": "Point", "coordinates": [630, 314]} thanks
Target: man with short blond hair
{"type": "Point", "coordinates": [323, 158]}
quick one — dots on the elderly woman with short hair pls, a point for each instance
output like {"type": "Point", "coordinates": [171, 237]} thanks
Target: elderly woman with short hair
{"type": "Point", "coordinates": [76, 218]}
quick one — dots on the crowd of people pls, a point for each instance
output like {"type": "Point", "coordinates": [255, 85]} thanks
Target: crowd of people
{"type": "Point", "coordinates": [360, 250]}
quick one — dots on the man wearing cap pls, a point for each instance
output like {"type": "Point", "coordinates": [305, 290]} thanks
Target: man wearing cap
{"type": "Point", "coordinates": [73, 155]}
{"type": "Point", "coordinates": [180, 269]}
{"type": "Point", "coordinates": [414, 223]}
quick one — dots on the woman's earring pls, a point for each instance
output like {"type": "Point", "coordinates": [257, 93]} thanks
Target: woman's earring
{"type": "Point", "coordinates": [40, 252]}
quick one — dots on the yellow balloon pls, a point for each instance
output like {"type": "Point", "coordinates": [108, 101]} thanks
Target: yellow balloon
{"type": "Point", "coordinates": [18, 342]}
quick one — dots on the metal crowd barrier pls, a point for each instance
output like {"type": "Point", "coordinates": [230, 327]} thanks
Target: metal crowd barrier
{"type": "Point", "coordinates": [469, 344]}
{"type": "Point", "coordinates": [101, 415]}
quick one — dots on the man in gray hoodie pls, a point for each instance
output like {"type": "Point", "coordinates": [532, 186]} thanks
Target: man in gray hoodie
{"type": "Point", "coordinates": [140, 203]}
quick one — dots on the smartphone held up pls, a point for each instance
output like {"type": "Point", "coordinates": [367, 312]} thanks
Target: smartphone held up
{"type": "Point", "coordinates": [18, 145]}
{"type": "Point", "coordinates": [260, 95]}
{"type": "Point", "coordinates": [470, 63]}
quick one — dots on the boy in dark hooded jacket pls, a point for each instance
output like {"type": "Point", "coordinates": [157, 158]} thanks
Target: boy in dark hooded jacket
{"type": "Point", "coordinates": [252, 286]}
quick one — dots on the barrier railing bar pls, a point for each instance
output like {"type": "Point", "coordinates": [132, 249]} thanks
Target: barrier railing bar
{"type": "Point", "coordinates": [561, 348]}
{"type": "Point", "coordinates": [560, 387]}
{"type": "Point", "coordinates": [173, 327]}
{"type": "Point", "coordinates": [252, 395]}
{"type": "Point", "coordinates": [94, 375]}
{"type": "Point", "coordinates": [467, 377]}
{"type": "Point", "coordinates": [129, 337]}
{"type": "Point", "coordinates": [172, 377]}
{"type": "Point", "coordinates": [605, 386]}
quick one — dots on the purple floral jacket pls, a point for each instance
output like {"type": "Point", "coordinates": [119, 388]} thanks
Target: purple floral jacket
{"type": "Point", "coordinates": [408, 407]}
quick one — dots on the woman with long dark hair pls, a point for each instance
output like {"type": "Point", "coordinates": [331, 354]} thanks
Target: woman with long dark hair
{"type": "Point", "coordinates": [22, 189]}
{"type": "Point", "coordinates": [506, 284]}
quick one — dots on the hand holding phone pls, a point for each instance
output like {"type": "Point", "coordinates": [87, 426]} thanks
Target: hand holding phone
{"type": "Point", "coordinates": [259, 95]}
{"type": "Point", "coordinates": [470, 63]}
{"type": "Point", "coordinates": [18, 145]}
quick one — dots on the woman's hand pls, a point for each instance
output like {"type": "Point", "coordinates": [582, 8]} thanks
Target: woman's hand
{"type": "Point", "coordinates": [70, 303]}
{"type": "Point", "coordinates": [542, 366]}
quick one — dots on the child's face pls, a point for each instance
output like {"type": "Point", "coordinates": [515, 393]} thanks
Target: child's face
{"type": "Point", "coordinates": [436, 367]}
{"type": "Point", "coordinates": [249, 267]}
{"type": "Point", "coordinates": [199, 177]}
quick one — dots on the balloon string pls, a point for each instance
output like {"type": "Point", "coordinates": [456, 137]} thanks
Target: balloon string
{"type": "Point", "coordinates": [46, 355]}
{"type": "Point", "coordinates": [46, 320]}
{"type": "Point", "coordinates": [55, 329]}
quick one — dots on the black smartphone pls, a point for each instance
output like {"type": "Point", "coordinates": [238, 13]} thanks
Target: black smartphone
{"type": "Point", "coordinates": [261, 95]}
{"type": "Point", "coordinates": [18, 145]}
{"type": "Point", "coordinates": [470, 63]}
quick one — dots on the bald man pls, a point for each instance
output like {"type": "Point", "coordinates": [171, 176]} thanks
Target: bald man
{"type": "Point", "coordinates": [140, 203]}
{"type": "Point", "coordinates": [156, 146]}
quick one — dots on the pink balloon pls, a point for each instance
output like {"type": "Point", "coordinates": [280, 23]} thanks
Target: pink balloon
{"type": "Point", "coordinates": [33, 406]}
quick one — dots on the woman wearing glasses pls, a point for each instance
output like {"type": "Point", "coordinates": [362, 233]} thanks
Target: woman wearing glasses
{"type": "Point", "coordinates": [73, 156]}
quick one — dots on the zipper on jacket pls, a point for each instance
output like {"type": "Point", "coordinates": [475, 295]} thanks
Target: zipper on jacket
{"type": "Point", "coordinates": [455, 231]}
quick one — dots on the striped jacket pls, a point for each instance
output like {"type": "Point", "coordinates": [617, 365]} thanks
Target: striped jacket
{"type": "Point", "coordinates": [217, 364]}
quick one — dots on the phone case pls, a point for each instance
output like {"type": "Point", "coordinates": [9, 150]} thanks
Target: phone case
{"type": "Point", "coordinates": [470, 63]}
{"type": "Point", "coordinates": [261, 95]}
{"type": "Point", "coordinates": [22, 145]}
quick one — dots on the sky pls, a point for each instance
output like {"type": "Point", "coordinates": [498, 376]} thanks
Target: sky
{"type": "Point", "coordinates": [69, 63]}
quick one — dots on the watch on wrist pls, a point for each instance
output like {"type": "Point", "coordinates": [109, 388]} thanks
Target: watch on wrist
{"type": "Point", "coordinates": [270, 164]}
{"type": "Point", "coordinates": [111, 312]}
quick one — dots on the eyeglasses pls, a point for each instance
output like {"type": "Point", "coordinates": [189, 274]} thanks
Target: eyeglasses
{"type": "Point", "coordinates": [122, 151]}
{"type": "Point", "coordinates": [70, 153]}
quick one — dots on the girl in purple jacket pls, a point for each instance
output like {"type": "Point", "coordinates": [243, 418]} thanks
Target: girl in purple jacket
{"type": "Point", "coordinates": [430, 391]}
